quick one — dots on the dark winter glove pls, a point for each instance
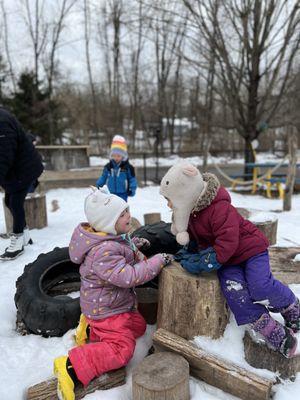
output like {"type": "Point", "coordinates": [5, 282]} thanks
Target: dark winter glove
{"type": "Point", "coordinates": [168, 258]}
{"type": "Point", "coordinates": [142, 243]}
{"type": "Point", "coordinates": [203, 261]}
{"type": "Point", "coordinates": [131, 193]}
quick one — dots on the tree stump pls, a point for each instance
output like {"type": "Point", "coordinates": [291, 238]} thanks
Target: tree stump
{"type": "Point", "coordinates": [190, 305]}
{"type": "Point", "coordinates": [161, 376]}
{"type": "Point", "coordinates": [258, 355]}
{"type": "Point", "coordinates": [151, 218]}
{"type": "Point", "coordinates": [147, 303]}
{"type": "Point", "coordinates": [35, 213]}
{"type": "Point", "coordinates": [267, 227]}
{"type": "Point", "coordinates": [135, 224]}
{"type": "Point", "coordinates": [282, 265]}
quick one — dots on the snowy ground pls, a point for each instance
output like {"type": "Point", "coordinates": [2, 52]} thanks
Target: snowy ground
{"type": "Point", "coordinates": [197, 160]}
{"type": "Point", "coordinates": [26, 360]}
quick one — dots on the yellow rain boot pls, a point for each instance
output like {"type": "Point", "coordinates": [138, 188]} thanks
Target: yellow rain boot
{"type": "Point", "coordinates": [81, 334]}
{"type": "Point", "coordinates": [65, 384]}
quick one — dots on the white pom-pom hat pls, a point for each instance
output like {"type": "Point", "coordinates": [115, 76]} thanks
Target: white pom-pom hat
{"type": "Point", "coordinates": [183, 184]}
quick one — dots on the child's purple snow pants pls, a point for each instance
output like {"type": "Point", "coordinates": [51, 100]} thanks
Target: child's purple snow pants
{"type": "Point", "coordinates": [252, 281]}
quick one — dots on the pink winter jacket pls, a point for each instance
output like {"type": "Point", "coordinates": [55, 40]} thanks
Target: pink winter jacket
{"type": "Point", "coordinates": [110, 268]}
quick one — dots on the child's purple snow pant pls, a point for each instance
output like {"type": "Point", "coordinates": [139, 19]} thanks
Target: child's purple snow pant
{"type": "Point", "coordinates": [252, 281]}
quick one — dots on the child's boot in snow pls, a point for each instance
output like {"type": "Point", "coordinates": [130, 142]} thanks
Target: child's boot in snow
{"type": "Point", "coordinates": [276, 336]}
{"type": "Point", "coordinates": [66, 378]}
{"type": "Point", "coordinates": [291, 316]}
{"type": "Point", "coordinates": [82, 331]}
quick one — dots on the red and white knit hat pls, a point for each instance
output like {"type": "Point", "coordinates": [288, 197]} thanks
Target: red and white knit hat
{"type": "Point", "coordinates": [119, 146]}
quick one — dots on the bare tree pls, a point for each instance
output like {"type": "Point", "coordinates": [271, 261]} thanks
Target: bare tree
{"type": "Point", "coordinates": [56, 28]}
{"type": "Point", "coordinates": [87, 35]}
{"type": "Point", "coordinates": [38, 30]}
{"type": "Point", "coordinates": [6, 44]}
{"type": "Point", "coordinates": [240, 34]}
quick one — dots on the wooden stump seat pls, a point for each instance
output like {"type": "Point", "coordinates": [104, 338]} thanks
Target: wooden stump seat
{"type": "Point", "coordinates": [152, 218]}
{"type": "Point", "coordinates": [35, 212]}
{"type": "Point", "coordinates": [161, 376]}
{"type": "Point", "coordinates": [191, 305]}
{"type": "Point", "coordinates": [258, 355]}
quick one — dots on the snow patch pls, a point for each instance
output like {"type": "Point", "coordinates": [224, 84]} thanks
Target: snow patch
{"type": "Point", "coordinates": [233, 285]}
{"type": "Point", "coordinates": [297, 258]}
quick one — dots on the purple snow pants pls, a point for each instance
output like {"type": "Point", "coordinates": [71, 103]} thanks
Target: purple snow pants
{"type": "Point", "coordinates": [250, 282]}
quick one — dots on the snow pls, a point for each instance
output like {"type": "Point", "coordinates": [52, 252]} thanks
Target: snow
{"type": "Point", "coordinates": [297, 258]}
{"type": "Point", "coordinates": [27, 360]}
{"type": "Point", "coordinates": [96, 161]}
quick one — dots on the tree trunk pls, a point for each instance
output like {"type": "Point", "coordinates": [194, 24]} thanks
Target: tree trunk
{"type": "Point", "coordinates": [191, 305]}
{"type": "Point", "coordinates": [161, 376]}
{"type": "Point", "coordinates": [249, 157]}
{"type": "Point", "coordinates": [290, 180]}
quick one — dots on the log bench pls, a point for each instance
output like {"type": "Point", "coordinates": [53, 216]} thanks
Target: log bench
{"type": "Point", "coordinates": [47, 390]}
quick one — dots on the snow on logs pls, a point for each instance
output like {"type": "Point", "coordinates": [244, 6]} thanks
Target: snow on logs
{"type": "Point", "coordinates": [258, 355]}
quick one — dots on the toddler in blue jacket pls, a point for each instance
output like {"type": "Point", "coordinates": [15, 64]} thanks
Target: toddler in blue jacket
{"type": "Point", "coordinates": [118, 174]}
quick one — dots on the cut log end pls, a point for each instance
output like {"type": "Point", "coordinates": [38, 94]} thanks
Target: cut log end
{"type": "Point", "coordinates": [161, 376]}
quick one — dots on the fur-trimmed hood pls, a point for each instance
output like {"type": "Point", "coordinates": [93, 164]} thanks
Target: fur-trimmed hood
{"type": "Point", "coordinates": [210, 192]}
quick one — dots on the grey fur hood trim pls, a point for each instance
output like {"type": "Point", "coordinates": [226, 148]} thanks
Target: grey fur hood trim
{"type": "Point", "coordinates": [210, 192]}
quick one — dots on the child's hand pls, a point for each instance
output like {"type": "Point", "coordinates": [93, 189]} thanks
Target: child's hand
{"type": "Point", "coordinates": [168, 258]}
{"type": "Point", "coordinates": [142, 243]}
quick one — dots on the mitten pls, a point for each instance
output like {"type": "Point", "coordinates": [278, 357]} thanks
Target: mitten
{"type": "Point", "coordinates": [168, 258]}
{"type": "Point", "coordinates": [142, 243]}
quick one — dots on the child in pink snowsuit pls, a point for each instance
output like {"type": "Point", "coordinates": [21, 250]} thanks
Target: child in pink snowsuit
{"type": "Point", "coordinates": [111, 266]}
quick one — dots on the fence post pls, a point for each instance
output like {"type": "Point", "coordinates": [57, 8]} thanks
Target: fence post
{"type": "Point", "coordinates": [145, 169]}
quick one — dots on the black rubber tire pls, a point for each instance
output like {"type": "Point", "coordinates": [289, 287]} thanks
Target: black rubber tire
{"type": "Point", "coordinates": [45, 315]}
{"type": "Point", "coordinates": [160, 237]}
{"type": "Point", "coordinates": [40, 312]}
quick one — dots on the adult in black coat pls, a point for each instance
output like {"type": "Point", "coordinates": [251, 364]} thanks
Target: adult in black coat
{"type": "Point", "coordinates": [20, 166]}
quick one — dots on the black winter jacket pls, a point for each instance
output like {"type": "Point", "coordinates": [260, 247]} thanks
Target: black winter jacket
{"type": "Point", "coordinates": [20, 162]}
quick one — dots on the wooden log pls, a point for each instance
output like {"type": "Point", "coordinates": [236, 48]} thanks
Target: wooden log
{"type": "Point", "coordinates": [147, 298]}
{"type": "Point", "coordinates": [161, 376]}
{"type": "Point", "coordinates": [35, 212]}
{"type": "Point", "coordinates": [47, 390]}
{"type": "Point", "coordinates": [151, 218]}
{"type": "Point", "coordinates": [282, 265]}
{"type": "Point", "coordinates": [135, 224]}
{"type": "Point", "coordinates": [191, 305]}
{"type": "Point", "coordinates": [213, 370]}
{"type": "Point", "coordinates": [258, 355]}
{"type": "Point", "coordinates": [268, 228]}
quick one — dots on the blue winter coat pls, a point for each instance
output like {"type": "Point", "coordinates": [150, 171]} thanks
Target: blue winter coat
{"type": "Point", "coordinates": [119, 178]}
